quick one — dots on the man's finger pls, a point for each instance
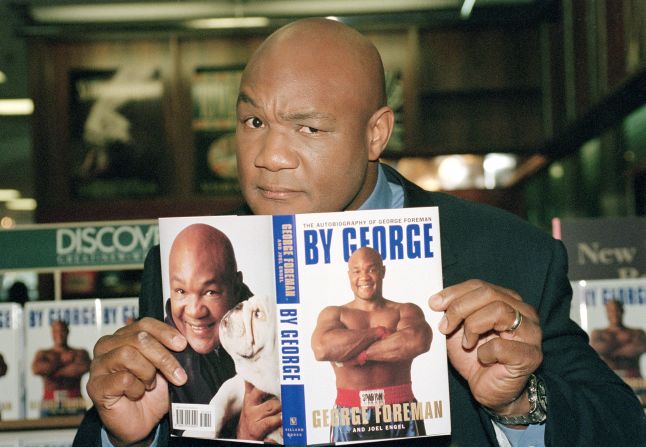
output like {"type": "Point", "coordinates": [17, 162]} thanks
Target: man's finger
{"type": "Point", "coordinates": [165, 335]}
{"type": "Point", "coordinates": [112, 387]}
{"type": "Point", "coordinates": [141, 354]}
{"type": "Point", "coordinates": [441, 300]}
{"type": "Point", "coordinates": [474, 297]}
{"type": "Point", "coordinates": [268, 424]}
{"type": "Point", "coordinates": [499, 316]}
{"type": "Point", "coordinates": [520, 358]}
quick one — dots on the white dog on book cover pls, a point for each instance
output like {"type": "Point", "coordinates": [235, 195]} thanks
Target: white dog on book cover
{"type": "Point", "coordinates": [248, 333]}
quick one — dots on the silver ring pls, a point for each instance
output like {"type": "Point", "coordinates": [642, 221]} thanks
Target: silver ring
{"type": "Point", "coordinates": [517, 321]}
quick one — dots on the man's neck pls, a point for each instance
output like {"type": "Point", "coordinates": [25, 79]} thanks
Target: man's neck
{"type": "Point", "coordinates": [369, 305]}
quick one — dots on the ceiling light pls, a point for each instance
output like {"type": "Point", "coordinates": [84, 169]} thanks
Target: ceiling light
{"type": "Point", "coordinates": [126, 12]}
{"type": "Point", "coordinates": [21, 205]}
{"type": "Point", "coordinates": [229, 22]}
{"type": "Point", "coordinates": [3, 77]}
{"type": "Point", "coordinates": [12, 107]}
{"type": "Point", "coordinates": [102, 12]}
{"type": "Point", "coordinates": [8, 194]}
{"type": "Point", "coordinates": [467, 7]}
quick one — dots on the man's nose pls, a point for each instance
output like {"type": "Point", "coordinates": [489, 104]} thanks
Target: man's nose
{"type": "Point", "coordinates": [194, 307]}
{"type": "Point", "coordinates": [276, 152]}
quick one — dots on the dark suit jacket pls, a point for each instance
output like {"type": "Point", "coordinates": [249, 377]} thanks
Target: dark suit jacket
{"type": "Point", "coordinates": [588, 405]}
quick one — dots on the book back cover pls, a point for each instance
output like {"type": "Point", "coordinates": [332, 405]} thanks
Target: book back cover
{"type": "Point", "coordinates": [11, 362]}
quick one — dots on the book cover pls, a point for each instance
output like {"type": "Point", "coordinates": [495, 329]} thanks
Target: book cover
{"type": "Point", "coordinates": [59, 338]}
{"type": "Point", "coordinates": [115, 313]}
{"type": "Point", "coordinates": [613, 313]}
{"type": "Point", "coordinates": [11, 362]}
{"type": "Point", "coordinates": [328, 312]}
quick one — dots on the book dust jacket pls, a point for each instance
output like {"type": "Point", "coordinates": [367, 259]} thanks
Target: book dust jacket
{"type": "Point", "coordinates": [326, 314]}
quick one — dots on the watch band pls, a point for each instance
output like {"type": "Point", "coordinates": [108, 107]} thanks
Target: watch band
{"type": "Point", "coordinates": [537, 406]}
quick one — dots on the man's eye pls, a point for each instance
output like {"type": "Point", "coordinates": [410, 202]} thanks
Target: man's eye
{"type": "Point", "coordinates": [212, 293]}
{"type": "Point", "coordinates": [179, 291]}
{"type": "Point", "coordinates": [310, 130]}
{"type": "Point", "coordinates": [253, 122]}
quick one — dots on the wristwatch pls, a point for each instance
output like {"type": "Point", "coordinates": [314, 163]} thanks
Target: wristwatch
{"type": "Point", "coordinates": [537, 406]}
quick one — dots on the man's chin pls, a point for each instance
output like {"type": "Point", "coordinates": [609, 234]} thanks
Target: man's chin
{"type": "Point", "coordinates": [202, 346]}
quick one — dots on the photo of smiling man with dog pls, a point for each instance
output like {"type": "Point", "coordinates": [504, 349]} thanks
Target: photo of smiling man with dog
{"type": "Point", "coordinates": [371, 342]}
{"type": "Point", "coordinates": [215, 310]}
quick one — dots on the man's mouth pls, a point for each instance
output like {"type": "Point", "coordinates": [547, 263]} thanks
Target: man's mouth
{"type": "Point", "coordinates": [274, 192]}
{"type": "Point", "coordinates": [200, 328]}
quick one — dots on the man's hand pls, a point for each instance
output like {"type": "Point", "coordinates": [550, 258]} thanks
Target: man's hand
{"type": "Point", "coordinates": [495, 362]}
{"type": "Point", "coordinates": [128, 378]}
{"type": "Point", "coordinates": [259, 416]}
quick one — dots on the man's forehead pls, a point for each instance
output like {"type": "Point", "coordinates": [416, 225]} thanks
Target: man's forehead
{"type": "Point", "coordinates": [202, 276]}
{"type": "Point", "coordinates": [365, 258]}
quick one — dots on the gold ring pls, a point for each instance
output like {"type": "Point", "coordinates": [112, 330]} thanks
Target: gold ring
{"type": "Point", "coordinates": [517, 321]}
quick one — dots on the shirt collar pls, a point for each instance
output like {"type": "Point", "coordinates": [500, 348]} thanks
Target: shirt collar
{"type": "Point", "coordinates": [385, 195]}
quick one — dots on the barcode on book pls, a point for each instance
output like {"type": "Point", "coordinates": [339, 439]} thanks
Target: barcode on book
{"type": "Point", "coordinates": [193, 417]}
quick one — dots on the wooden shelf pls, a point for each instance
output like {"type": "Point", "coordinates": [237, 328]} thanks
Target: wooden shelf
{"type": "Point", "coordinates": [56, 422]}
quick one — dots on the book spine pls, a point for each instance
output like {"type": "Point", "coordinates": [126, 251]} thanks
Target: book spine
{"type": "Point", "coordinates": [287, 306]}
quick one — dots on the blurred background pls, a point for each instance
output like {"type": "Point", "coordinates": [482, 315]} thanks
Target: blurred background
{"type": "Point", "coordinates": [113, 110]}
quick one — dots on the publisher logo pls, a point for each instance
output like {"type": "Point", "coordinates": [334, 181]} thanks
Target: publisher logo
{"type": "Point", "coordinates": [372, 398]}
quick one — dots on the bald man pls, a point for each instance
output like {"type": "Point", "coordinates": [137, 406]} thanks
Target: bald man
{"type": "Point", "coordinates": [371, 343]}
{"type": "Point", "coordinates": [312, 121]}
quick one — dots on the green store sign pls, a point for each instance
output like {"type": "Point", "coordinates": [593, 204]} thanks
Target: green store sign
{"type": "Point", "coordinates": [77, 246]}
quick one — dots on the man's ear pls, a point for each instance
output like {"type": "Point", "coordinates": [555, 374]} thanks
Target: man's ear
{"type": "Point", "coordinates": [380, 127]}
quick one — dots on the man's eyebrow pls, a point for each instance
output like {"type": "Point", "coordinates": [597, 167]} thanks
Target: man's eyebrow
{"type": "Point", "coordinates": [243, 97]}
{"type": "Point", "coordinates": [313, 115]}
{"type": "Point", "coordinates": [291, 116]}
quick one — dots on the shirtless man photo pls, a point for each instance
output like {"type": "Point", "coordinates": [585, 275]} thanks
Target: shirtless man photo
{"type": "Point", "coordinates": [62, 368]}
{"type": "Point", "coordinates": [619, 346]}
{"type": "Point", "coordinates": [371, 343]}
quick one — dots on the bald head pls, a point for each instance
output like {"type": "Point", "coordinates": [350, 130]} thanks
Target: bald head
{"type": "Point", "coordinates": [326, 46]}
{"type": "Point", "coordinates": [366, 253]}
{"type": "Point", "coordinates": [60, 331]}
{"type": "Point", "coordinates": [203, 243]}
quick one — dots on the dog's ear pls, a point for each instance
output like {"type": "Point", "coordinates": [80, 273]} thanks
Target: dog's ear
{"type": "Point", "coordinates": [241, 291]}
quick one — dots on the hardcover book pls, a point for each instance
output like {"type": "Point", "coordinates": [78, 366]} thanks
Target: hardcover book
{"type": "Point", "coordinates": [115, 313]}
{"type": "Point", "coordinates": [613, 313]}
{"type": "Point", "coordinates": [325, 314]}
{"type": "Point", "coordinates": [11, 362]}
{"type": "Point", "coordinates": [60, 336]}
